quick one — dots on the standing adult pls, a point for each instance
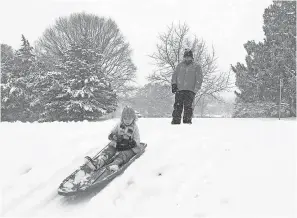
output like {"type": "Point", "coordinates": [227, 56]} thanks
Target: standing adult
{"type": "Point", "coordinates": [186, 82]}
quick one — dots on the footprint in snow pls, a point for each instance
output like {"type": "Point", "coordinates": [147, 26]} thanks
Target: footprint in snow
{"type": "Point", "coordinates": [197, 196]}
{"type": "Point", "coordinates": [224, 201]}
{"type": "Point", "coordinates": [26, 170]}
{"type": "Point", "coordinates": [161, 170]}
{"type": "Point", "coordinates": [200, 215]}
{"type": "Point", "coordinates": [206, 180]}
{"type": "Point", "coordinates": [130, 182]}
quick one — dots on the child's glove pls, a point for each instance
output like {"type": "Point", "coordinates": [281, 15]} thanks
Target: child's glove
{"type": "Point", "coordinates": [115, 137]}
{"type": "Point", "coordinates": [112, 137]}
{"type": "Point", "coordinates": [132, 143]}
{"type": "Point", "coordinates": [174, 88]}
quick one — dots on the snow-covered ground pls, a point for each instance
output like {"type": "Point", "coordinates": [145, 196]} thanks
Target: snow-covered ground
{"type": "Point", "coordinates": [213, 168]}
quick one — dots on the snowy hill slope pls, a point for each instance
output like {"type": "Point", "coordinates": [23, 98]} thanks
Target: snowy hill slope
{"type": "Point", "coordinates": [213, 168]}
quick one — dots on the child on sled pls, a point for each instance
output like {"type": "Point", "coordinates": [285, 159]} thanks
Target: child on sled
{"type": "Point", "coordinates": [125, 143]}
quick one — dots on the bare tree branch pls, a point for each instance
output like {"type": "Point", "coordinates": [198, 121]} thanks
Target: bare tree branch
{"type": "Point", "coordinates": [169, 53]}
{"type": "Point", "coordinates": [104, 36]}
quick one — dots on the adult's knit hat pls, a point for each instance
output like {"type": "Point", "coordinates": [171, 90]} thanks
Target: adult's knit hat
{"type": "Point", "coordinates": [188, 53]}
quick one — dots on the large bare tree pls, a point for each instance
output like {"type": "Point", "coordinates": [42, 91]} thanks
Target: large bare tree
{"type": "Point", "coordinates": [104, 36]}
{"type": "Point", "coordinates": [169, 53]}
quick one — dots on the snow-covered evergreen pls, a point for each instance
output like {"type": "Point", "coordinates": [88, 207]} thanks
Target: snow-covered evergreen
{"type": "Point", "coordinates": [17, 84]}
{"type": "Point", "coordinates": [271, 62]}
{"type": "Point", "coordinates": [79, 90]}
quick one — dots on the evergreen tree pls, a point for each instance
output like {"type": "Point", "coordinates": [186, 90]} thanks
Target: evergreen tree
{"type": "Point", "coordinates": [280, 32]}
{"type": "Point", "coordinates": [7, 57]}
{"type": "Point", "coordinates": [271, 62]}
{"type": "Point", "coordinates": [17, 84]}
{"type": "Point", "coordinates": [79, 90]}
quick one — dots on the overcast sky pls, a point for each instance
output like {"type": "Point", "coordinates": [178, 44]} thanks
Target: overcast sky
{"type": "Point", "coordinates": [225, 24]}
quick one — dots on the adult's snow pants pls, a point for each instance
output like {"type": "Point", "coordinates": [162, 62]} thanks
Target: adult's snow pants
{"type": "Point", "coordinates": [183, 102]}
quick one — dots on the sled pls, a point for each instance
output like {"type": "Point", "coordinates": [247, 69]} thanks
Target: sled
{"type": "Point", "coordinates": [83, 179]}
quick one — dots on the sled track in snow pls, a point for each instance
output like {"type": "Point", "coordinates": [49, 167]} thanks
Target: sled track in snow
{"type": "Point", "coordinates": [21, 199]}
{"type": "Point", "coordinates": [57, 177]}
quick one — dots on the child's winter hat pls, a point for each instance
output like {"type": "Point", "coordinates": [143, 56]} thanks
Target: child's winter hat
{"type": "Point", "coordinates": [128, 112]}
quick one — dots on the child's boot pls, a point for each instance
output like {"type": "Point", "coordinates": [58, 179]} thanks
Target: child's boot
{"type": "Point", "coordinates": [97, 163]}
{"type": "Point", "coordinates": [90, 163]}
{"type": "Point", "coordinates": [113, 167]}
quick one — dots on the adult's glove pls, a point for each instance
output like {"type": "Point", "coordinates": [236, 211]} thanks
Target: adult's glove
{"type": "Point", "coordinates": [174, 88]}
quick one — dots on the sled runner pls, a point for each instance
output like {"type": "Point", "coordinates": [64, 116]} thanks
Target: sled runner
{"type": "Point", "coordinates": [84, 178]}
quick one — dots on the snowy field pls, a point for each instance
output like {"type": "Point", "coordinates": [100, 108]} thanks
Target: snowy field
{"type": "Point", "coordinates": [213, 168]}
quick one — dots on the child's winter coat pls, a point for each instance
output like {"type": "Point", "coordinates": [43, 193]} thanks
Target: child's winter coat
{"type": "Point", "coordinates": [126, 134]}
{"type": "Point", "coordinates": [127, 145]}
